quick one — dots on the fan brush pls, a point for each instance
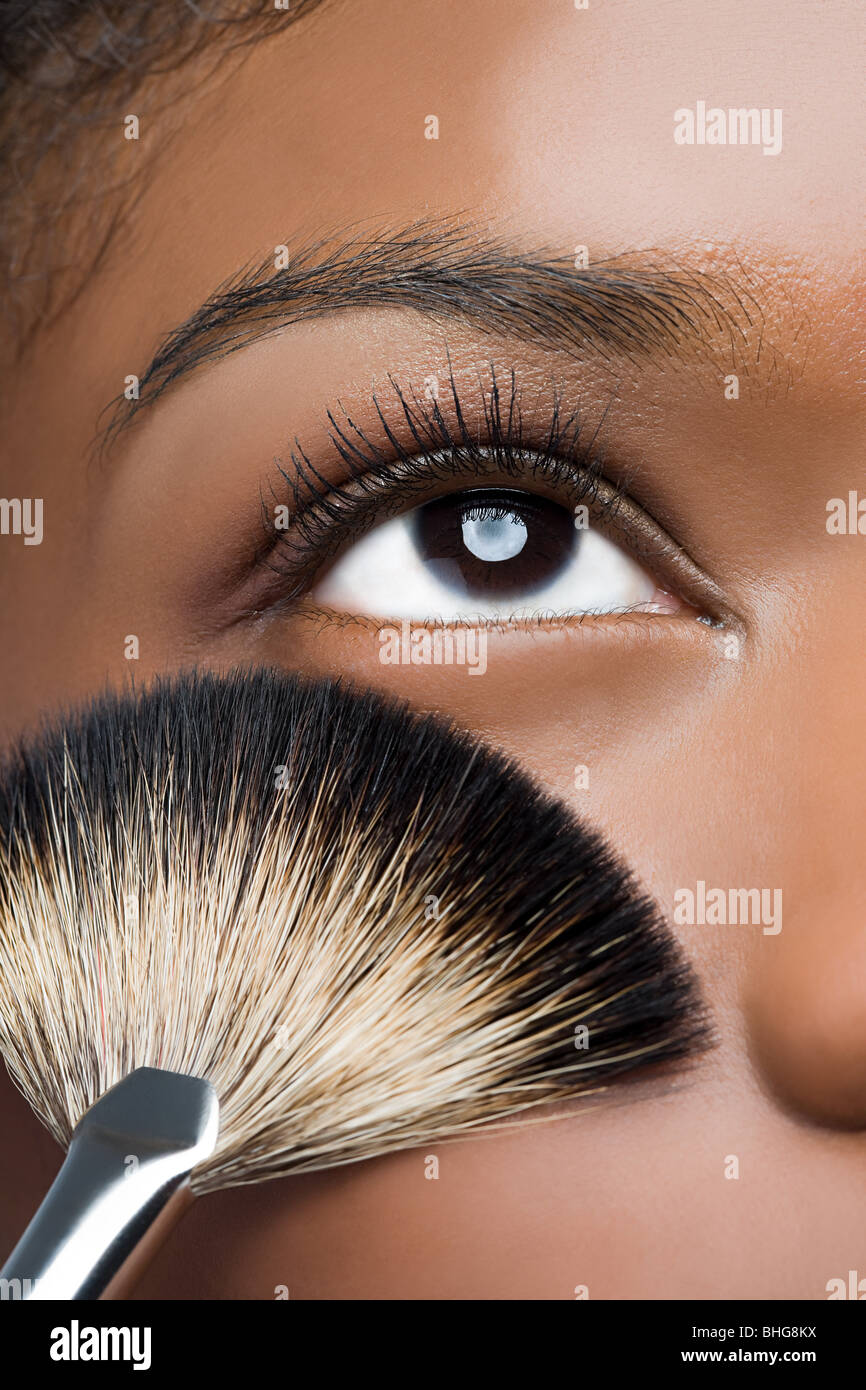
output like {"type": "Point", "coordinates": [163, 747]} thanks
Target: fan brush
{"type": "Point", "coordinates": [345, 927]}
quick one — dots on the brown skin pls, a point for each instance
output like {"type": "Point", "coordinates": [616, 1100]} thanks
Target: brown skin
{"type": "Point", "coordinates": [555, 128]}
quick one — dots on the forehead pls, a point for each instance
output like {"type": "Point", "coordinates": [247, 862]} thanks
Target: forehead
{"type": "Point", "coordinates": [552, 125]}
{"type": "Point", "coordinates": [554, 117]}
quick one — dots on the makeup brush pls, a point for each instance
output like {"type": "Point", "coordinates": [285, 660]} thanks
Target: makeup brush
{"type": "Point", "coordinates": [361, 928]}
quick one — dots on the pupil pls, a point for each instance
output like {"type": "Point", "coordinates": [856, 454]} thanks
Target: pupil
{"type": "Point", "coordinates": [489, 542]}
{"type": "Point", "coordinates": [494, 538]}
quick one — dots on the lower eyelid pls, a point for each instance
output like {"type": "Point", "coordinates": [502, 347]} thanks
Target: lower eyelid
{"type": "Point", "coordinates": [620, 626]}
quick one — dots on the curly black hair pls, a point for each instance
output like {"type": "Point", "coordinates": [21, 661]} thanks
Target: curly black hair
{"type": "Point", "coordinates": [64, 66]}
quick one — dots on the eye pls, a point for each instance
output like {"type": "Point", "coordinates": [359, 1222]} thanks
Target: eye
{"type": "Point", "coordinates": [488, 554]}
{"type": "Point", "coordinates": [466, 511]}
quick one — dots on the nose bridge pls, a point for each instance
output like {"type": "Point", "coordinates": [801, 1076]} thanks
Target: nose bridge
{"type": "Point", "coordinates": [833, 735]}
{"type": "Point", "coordinates": [805, 1000]}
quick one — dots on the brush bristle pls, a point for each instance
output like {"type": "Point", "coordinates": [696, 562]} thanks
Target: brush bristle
{"type": "Point", "coordinates": [366, 930]}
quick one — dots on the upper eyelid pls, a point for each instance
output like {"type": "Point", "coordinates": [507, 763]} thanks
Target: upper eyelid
{"type": "Point", "coordinates": [421, 439]}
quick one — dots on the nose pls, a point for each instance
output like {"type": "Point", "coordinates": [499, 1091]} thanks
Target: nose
{"type": "Point", "coordinates": [807, 1017]}
{"type": "Point", "coordinates": [806, 996]}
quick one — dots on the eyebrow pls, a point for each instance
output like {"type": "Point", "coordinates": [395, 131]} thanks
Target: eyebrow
{"type": "Point", "coordinates": [625, 306]}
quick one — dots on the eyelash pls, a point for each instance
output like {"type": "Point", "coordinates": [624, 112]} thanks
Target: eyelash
{"type": "Point", "coordinates": [386, 481]}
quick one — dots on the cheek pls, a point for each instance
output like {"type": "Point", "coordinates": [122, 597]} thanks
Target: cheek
{"type": "Point", "coordinates": [612, 715]}
{"type": "Point", "coordinates": [623, 1201]}
{"type": "Point", "coordinates": [638, 725]}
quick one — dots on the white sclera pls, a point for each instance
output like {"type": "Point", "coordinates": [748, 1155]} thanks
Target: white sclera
{"type": "Point", "coordinates": [384, 576]}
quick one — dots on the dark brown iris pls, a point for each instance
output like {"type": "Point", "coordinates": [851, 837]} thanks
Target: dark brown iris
{"type": "Point", "coordinates": [495, 542]}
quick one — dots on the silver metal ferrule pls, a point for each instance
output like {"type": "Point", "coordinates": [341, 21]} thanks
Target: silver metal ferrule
{"type": "Point", "coordinates": [122, 1187]}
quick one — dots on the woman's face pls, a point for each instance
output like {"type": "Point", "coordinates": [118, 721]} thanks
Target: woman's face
{"type": "Point", "coordinates": [470, 211]}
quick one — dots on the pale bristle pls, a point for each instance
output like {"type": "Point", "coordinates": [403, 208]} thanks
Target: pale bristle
{"type": "Point", "coordinates": [364, 929]}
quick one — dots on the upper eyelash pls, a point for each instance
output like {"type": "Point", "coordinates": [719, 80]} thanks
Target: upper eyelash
{"type": "Point", "coordinates": [500, 440]}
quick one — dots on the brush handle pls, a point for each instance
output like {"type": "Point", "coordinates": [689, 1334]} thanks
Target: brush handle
{"type": "Point", "coordinates": [123, 1185]}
